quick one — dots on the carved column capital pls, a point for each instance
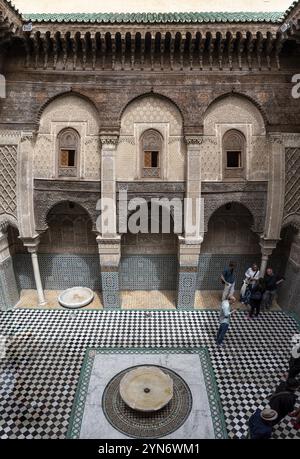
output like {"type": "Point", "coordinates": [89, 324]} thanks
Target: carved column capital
{"type": "Point", "coordinates": [31, 244]}
{"type": "Point", "coordinates": [267, 246]}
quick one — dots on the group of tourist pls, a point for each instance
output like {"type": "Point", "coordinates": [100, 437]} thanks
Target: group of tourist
{"type": "Point", "coordinates": [258, 293]}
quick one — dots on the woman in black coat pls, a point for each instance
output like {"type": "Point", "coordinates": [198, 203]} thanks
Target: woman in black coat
{"type": "Point", "coordinates": [256, 296]}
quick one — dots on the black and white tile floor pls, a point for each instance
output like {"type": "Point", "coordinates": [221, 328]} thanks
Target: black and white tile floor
{"type": "Point", "coordinates": [45, 352]}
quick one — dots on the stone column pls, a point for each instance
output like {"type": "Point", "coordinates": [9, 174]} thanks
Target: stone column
{"type": "Point", "coordinates": [192, 208]}
{"type": "Point", "coordinates": [190, 245]}
{"type": "Point", "coordinates": [275, 201]}
{"type": "Point", "coordinates": [32, 247]}
{"type": "Point", "coordinates": [108, 223]}
{"type": "Point", "coordinates": [25, 186]}
{"type": "Point", "coordinates": [267, 247]}
{"type": "Point", "coordinates": [9, 295]}
{"type": "Point", "coordinates": [109, 242]}
{"type": "Point", "coordinates": [276, 186]}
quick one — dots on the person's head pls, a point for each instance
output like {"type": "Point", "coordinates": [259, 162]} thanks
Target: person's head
{"type": "Point", "coordinates": [296, 351]}
{"type": "Point", "coordinates": [269, 271]}
{"type": "Point", "coordinates": [254, 267]}
{"type": "Point", "coordinates": [231, 265]}
{"type": "Point", "coordinates": [231, 299]}
{"type": "Point", "coordinates": [268, 415]}
{"type": "Point", "coordinates": [292, 384]}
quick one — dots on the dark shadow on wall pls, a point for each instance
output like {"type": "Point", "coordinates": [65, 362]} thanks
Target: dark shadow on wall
{"type": "Point", "coordinates": [229, 238]}
{"type": "Point", "coordinates": [285, 261]}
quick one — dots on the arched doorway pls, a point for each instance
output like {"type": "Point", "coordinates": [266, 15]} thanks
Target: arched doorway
{"type": "Point", "coordinates": [229, 238]}
{"type": "Point", "coordinates": [68, 250]}
{"type": "Point", "coordinates": [149, 260]}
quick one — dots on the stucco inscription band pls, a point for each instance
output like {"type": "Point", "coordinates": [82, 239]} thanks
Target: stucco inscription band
{"type": "Point", "coordinates": [167, 408]}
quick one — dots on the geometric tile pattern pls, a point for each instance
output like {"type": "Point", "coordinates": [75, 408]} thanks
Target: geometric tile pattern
{"type": "Point", "coordinates": [8, 171]}
{"type": "Point", "coordinates": [59, 271]}
{"type": "Point", "coordinates": [292, 181]}
{"type": "Point", "coordinates": [148, 272]}
{"type": "Point", "coordinates": [110, 290]}
{"type": "Point", "coordinates": [137, 272]}
{"type": "Point", "coordinates": [46, 349]}
{"type": "Point", "coordinates": [186, 289]}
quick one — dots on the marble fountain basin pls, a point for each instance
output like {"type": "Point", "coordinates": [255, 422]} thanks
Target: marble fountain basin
{"type": "Point", "coordinates": [76, 297]}
{"type": "Point", "coordinates": [146, 388]}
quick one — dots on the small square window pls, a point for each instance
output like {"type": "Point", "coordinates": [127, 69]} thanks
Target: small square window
{"type": "Point", "coordinates": [234, 159]}
{"type": "Point", "coordinates": [67, 158]}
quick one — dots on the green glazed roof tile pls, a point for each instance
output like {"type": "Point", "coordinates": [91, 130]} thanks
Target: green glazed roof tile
{"type": "Point", "coordinates": [273, 17]}
{"type": "Point", "coordinates": [291, 8]}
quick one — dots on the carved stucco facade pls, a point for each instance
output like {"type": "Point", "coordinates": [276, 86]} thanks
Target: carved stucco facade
{"type": "Point", "coordinates": [151, 112]}
{"type": "Point", "coordinates": [74, 112]}
{"type": "Point", "coordinates": [235, 235]}
{"type": "Point", "coordinates": [234, 112]}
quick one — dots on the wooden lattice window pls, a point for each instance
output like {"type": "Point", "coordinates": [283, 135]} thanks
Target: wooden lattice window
{"type": "Point", "coordinates": [234, 145]}
{"type": "Point", "coordinates": [68, 146]}
{"type": "Point", "coordinates": [151, 154]}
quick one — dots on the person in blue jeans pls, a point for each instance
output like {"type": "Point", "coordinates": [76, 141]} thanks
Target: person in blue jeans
{"type": "Point", "coordinates": [225, 314]}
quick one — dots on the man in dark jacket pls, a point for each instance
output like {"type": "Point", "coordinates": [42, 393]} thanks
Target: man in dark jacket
{"type": "Point", "coordinates": [260, 424]}
{"type": "Point", "coordinates": [284, 399]}
{"type": "Point", "coordinates": [294, 363]}
{"type": "Point", "coordinates": [271, 281]}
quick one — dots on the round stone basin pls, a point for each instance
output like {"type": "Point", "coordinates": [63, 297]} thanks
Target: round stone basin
{"type": "Point", "coordinates": [146, 389]}
{"type": "Point", "coordinates": [76, 297]}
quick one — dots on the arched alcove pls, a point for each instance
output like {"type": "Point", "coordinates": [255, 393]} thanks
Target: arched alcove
{"type": "Point", "coordinates": [229, 238]}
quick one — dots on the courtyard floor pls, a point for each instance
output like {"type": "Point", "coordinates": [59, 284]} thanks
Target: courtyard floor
{"type": "Point", "coordinates": [46, 350]}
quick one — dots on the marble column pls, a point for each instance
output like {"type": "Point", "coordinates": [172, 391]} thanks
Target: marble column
{"type": "Point", "coordinates": [9, 294]}
{"type": "Point", "coordinates": [267, 247]}
{"type": "Point", "coordinates": [32, 247]}
{"type": "Point", "coordinates": [109, 242]}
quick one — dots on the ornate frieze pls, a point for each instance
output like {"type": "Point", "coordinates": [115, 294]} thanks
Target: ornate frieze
{"type": "Point", "coordinates": [8, 179]}
{"type": "Point", "coordinates": [292, 182]}
{"type": "Point", "coordinates": [194, 140]}
{"type": "Point", "coordinates": [109, 140]}
{"type": "Point", "coordinates": [65, 47]}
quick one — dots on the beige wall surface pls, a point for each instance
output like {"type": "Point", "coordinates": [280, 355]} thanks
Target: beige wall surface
{"type": "Point", "coordinates": [68, 6]}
